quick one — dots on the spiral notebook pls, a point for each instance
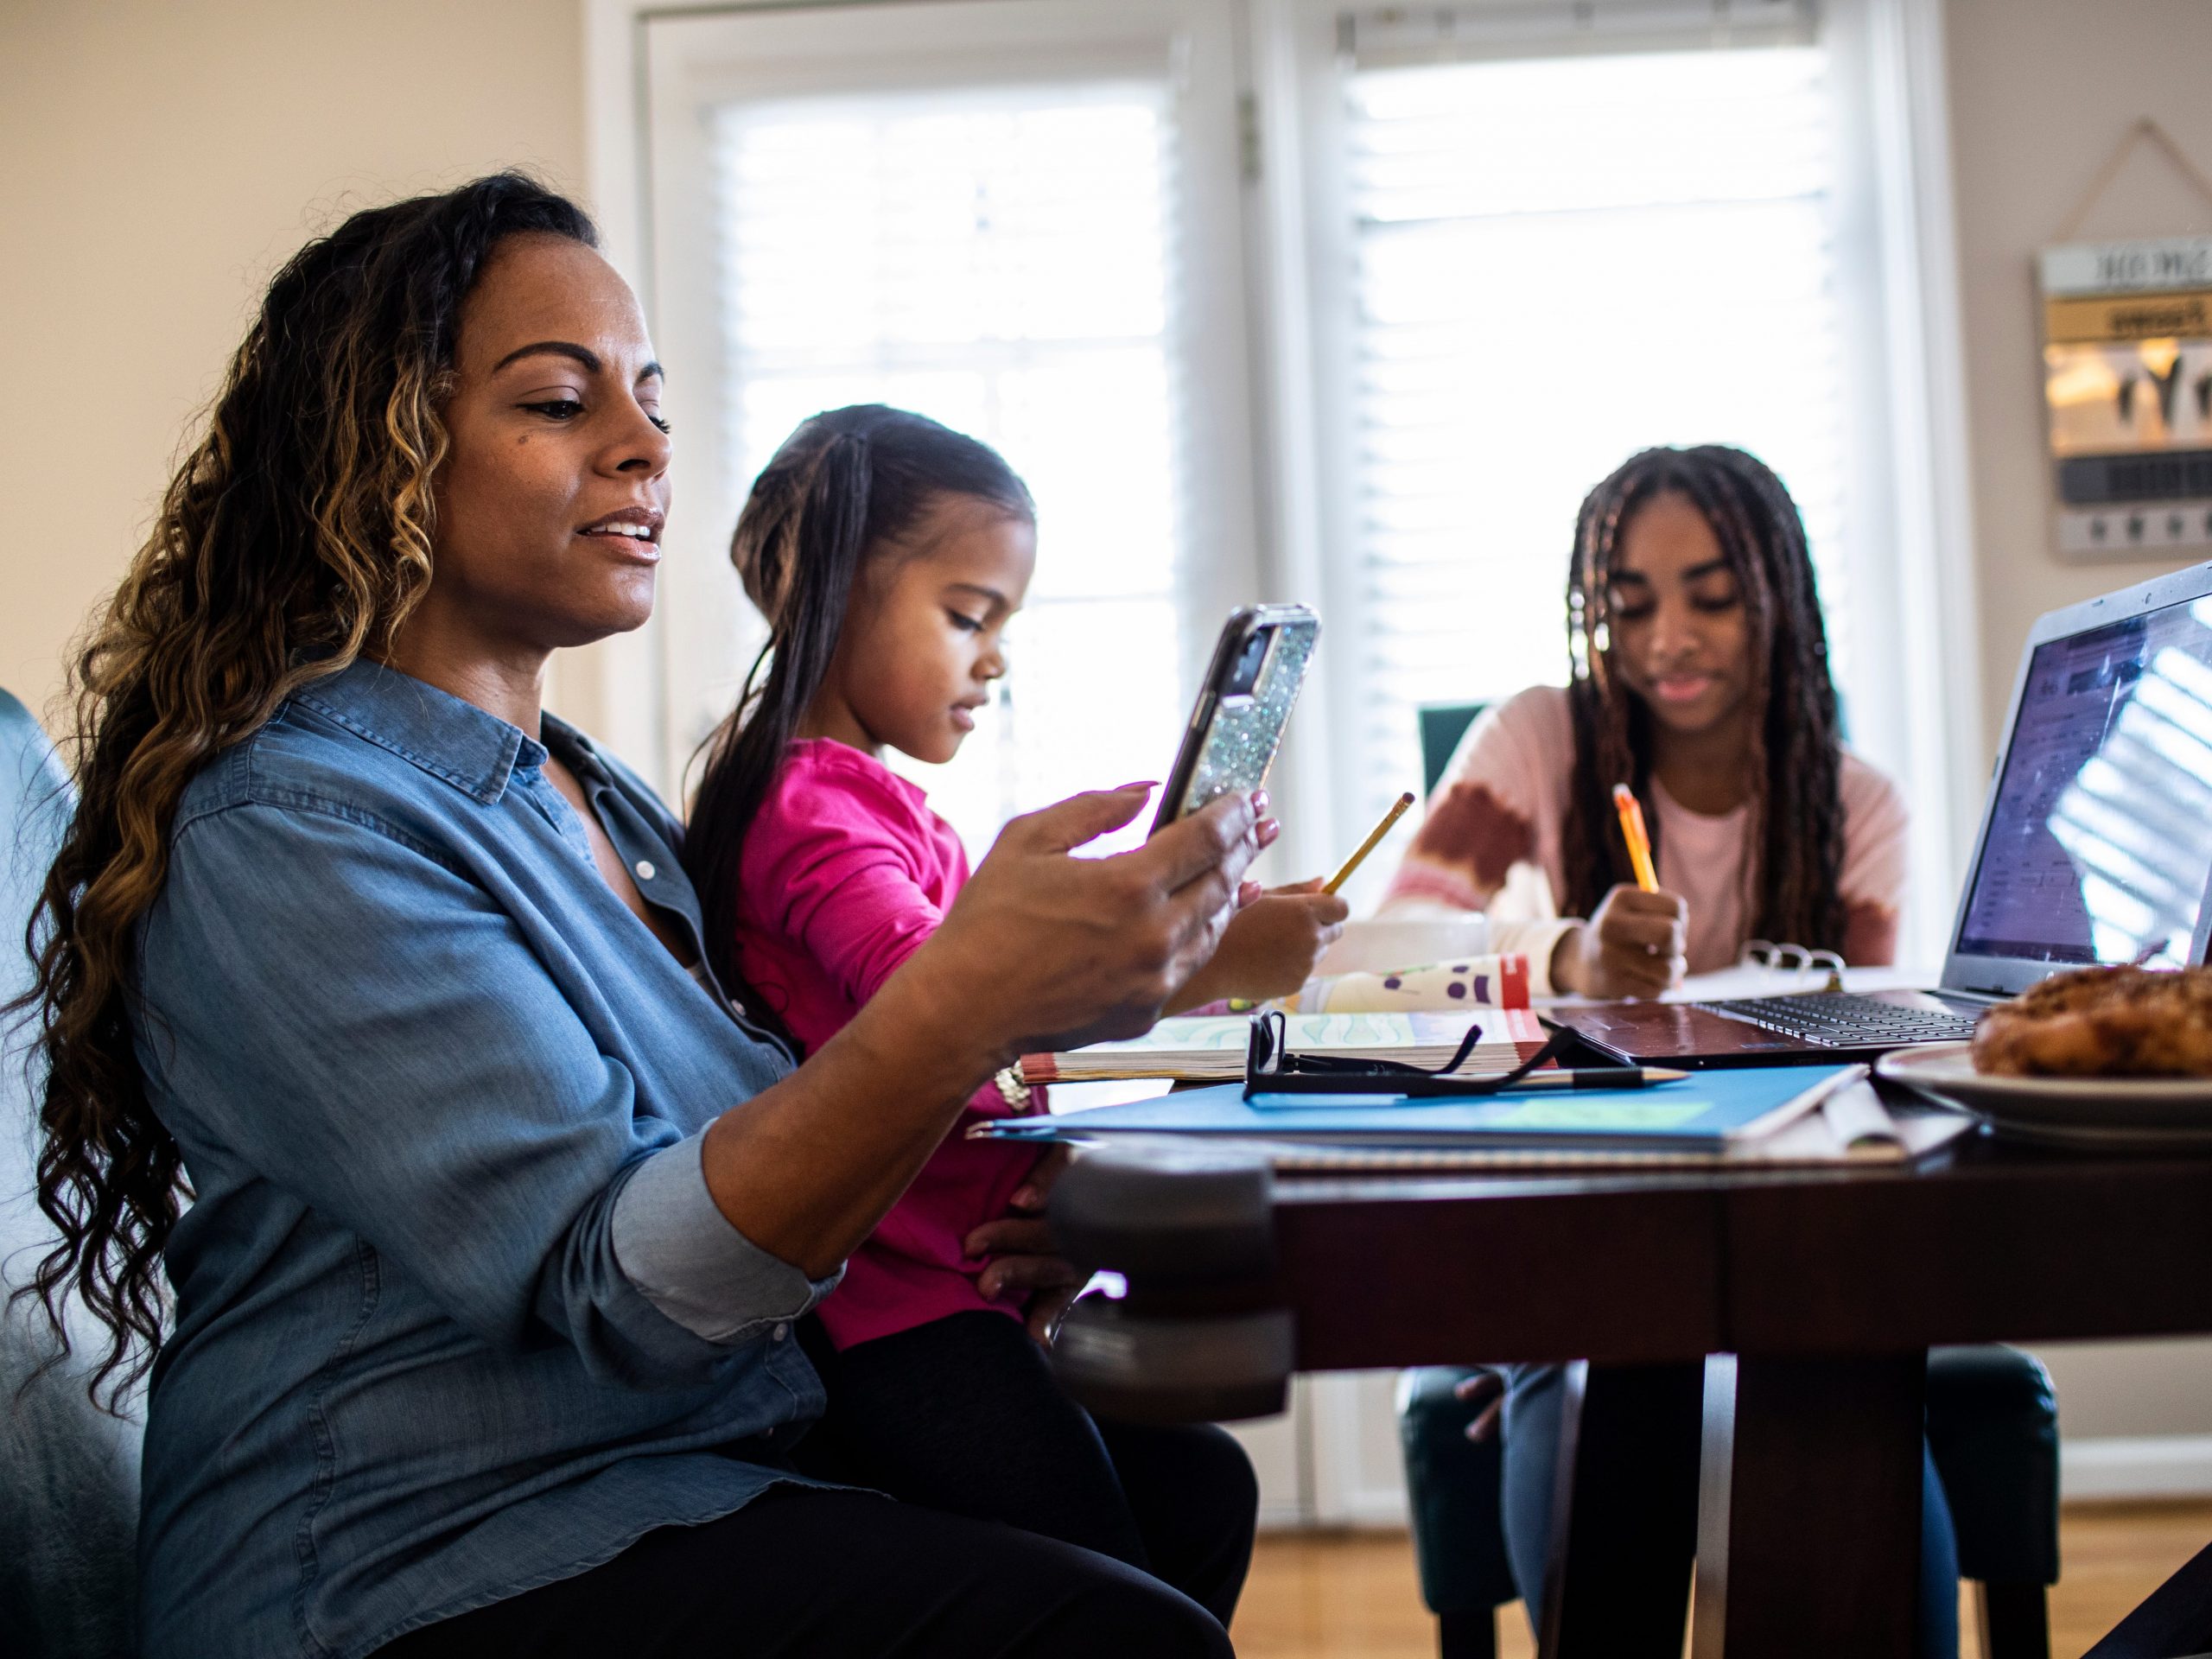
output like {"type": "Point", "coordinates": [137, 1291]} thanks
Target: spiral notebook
{"type": "Point", "coordinates": [1844, 1123]}
{"type": "Point", "coordinates": [1705, 1114]}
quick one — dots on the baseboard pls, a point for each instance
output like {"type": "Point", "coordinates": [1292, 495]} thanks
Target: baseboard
{"type": "Point", "coordinates": [2147, 1466]}
{"type": "Point", "coordinates": [1366, 1511]}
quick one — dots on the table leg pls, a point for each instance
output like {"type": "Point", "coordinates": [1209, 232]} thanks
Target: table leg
{"type": "Point", "coordinates": [1624, 1515]}
{"type": "Point", "coordinates": [1808, 1520]}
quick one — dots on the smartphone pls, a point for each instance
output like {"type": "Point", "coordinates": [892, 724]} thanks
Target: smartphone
{"type": "Point", "coordinates": [1243, 704]}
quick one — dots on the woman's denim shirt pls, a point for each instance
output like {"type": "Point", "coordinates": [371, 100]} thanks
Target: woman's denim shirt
{"type": "Point", "coordinates": [416, 1051]}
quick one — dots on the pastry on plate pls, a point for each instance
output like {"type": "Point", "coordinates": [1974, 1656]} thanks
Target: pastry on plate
{"type": "Point", "coordinates": [2102, 1022]}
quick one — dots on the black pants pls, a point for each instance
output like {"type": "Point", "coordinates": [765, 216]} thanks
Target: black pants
{"type": "Point", "coordinates": [1025, 1529]}
{"type": "Point", "coordinates": [962, 1415]}
{"type": "Point", "coordinates": [805, 1573]}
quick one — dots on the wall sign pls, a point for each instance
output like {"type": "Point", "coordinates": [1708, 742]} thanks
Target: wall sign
{"type": "Point", "coordinates": [2127, 385]}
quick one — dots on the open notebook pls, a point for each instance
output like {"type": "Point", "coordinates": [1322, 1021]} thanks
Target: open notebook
{"type": "Point", "coordinates": [1210, 1048]}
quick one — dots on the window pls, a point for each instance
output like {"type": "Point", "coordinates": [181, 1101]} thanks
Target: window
{"type": "Point", "coordinates": [998, 260]}
{"type": "Point", "coordinates": [1305, 300]}
{"type": "Point", "coordinates": [1556, 261]}
{"type": "Point", "coordinates": [1018, 220]}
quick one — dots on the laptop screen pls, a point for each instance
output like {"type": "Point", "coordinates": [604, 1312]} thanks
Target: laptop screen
{"type": "Point", "coordinates": [2100, 840]}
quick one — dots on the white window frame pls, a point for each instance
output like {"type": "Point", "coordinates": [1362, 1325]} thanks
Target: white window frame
{"type": "Point", "coordinates": [1275, 379]}
{"type": "Point", "coordinates": [1906, 483]}
{"type": "Point", "coordinates": [679, 61]}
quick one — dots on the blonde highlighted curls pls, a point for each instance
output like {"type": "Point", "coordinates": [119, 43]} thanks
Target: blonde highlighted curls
{"type": "Point", "coordinates": [295, 536]}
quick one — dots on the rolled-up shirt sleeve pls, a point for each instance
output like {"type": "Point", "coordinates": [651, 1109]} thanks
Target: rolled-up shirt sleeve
{"type": "Point", "coordinates": [674, 1245]}
{"type": "Point", "coordinates": [355, 1020]}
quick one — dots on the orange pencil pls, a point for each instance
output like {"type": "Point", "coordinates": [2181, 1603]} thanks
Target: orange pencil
{"type": "Point", "coordinates": [1638, 838]}
{"type": "Point", "coordinates": [1374, 840]}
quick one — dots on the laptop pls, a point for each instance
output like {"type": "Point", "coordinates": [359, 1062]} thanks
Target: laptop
{"type": "Point", "coordinates": [2095, 847]}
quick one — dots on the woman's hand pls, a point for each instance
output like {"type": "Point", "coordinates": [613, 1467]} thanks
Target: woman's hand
{"type": "Point", "coordinates": [1023, 1267]}
{"type": "Point", "coordinates": [1046, 952]}
{"type": "Point", "coordinates": [1270, 948]}
{"type": "Point", "coordinates": [1041, 952]}
{"type": "Point", "coordinates": [1632, 945]}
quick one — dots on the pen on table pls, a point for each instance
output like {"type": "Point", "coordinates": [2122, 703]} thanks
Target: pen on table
{"type": "Point", "coordinates": [1374, 840]}
{"type": "Point", "coordinates": [1638, 838]}
{"type": "Point", "coordinates": [1597, 1077]}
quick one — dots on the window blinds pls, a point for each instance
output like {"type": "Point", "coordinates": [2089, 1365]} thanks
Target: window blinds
{"type": "Point", "coordinates": [1002, 260]}
{"type": "Point", "coordinates": [1559, 259]}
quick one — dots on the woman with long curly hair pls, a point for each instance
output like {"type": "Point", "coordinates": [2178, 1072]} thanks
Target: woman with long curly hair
{"type": "Point", "coordinates": [378, 1028]}
{"type": "Point", "coordinates": [1699, 677]}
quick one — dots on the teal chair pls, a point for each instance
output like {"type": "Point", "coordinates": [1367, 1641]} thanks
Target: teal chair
{"type": "Point", "coordinates": [68, 1472]}
{"type": "Point", "coordinates": [1442, 725]}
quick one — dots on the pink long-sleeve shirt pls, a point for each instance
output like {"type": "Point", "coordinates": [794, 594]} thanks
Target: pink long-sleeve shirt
{"type": "Point", "coordinates": [846, 870]}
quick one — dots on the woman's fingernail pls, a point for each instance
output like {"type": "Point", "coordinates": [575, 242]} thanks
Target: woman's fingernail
{"type": "Point", "coordinates": [1261, 801]}
{"type": "Point", "coordinates": [1268, 829]}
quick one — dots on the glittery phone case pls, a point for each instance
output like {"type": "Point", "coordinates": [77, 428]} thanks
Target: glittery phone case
{"type": "Point", "coordinates": [1231, 740]}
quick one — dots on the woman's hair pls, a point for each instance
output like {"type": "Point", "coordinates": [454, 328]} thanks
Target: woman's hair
{"type": "Point", "coordinates": [1795, 840]}
{"type": "Point", "coordinates": [294, 537]}
{"type": "Point", "coordinates": [848, 485]}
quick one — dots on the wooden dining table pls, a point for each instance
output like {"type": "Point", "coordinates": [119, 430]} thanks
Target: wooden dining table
{"type": "Point", "coordinates": [1816, 1293]}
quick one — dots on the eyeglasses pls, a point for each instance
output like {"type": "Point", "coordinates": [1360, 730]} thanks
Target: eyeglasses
{"type": "Point", "coordinates": [1271, 1068]}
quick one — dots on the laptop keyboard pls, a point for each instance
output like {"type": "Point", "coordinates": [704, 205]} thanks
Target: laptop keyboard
{"type": "Point", "coordinates": [1839, 1020]}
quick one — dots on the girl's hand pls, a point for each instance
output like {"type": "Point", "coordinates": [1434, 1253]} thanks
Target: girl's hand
{"type": "Point", "coordinates": [1485, 1390]}
{"type": "Point", "coordinates": [1632, 945]}
{"type": "Point", "coordinates": [1270, 948]}
{"type": "Point", "coordinates": [1023, 1263]}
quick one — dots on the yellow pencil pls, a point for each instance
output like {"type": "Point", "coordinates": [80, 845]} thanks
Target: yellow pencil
{"type": "Point", "coordinates": [1374, 840]}
{"type": "Point", "coordinates": [1638, 839]}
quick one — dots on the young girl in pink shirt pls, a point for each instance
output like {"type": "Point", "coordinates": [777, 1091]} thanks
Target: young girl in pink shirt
{"type": "Point", "coordinates": [887, 553]}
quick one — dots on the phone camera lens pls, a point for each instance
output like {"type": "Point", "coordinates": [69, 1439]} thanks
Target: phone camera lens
{"type": "Point", "coordinates": [1246, 674]}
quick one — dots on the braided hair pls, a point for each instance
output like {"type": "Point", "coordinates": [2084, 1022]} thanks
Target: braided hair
{"type": "Point", "coordinates": [1794, 836]}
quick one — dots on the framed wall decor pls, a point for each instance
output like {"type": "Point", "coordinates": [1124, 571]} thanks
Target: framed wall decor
{"type": "Point", "coordinates": [2127, 389]}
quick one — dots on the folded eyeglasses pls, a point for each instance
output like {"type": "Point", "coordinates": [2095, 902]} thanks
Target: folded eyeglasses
{"type": "Point", "coordinates": [1270, 1068]}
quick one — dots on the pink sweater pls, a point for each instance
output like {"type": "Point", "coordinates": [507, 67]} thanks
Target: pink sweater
{"type": "Point", "coordinates": [846, 871]}
{"type": "Point", "coordinates": [1491, 840]}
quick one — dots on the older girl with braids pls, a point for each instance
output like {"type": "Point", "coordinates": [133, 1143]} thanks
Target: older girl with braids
{"type": "Point", "coordinates": [1700, 679]}
{"type": "Point", "coordinates": [502, 1205]}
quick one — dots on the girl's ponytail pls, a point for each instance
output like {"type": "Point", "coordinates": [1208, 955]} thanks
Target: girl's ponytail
{"type": "Point", "coordinates": [843, 484]}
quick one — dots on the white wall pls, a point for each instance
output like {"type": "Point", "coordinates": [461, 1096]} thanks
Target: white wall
{"type": "Point", "coordinates": [2042, 90]}
{"type": "Point", "coordinates": [160, 161]}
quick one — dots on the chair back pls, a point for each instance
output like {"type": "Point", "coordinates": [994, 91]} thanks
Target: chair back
{"type": "Point", "coordinates": [68, 1471]}
{"type": "Point", "coordinates": [1442, 725]}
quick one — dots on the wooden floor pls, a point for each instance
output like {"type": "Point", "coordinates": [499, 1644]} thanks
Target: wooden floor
{"type": "Point", "coordinates": [1353, 1595]}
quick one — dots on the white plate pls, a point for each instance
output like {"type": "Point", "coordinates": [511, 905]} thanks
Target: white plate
{"type": "Point", "coordinates": [2077, 1111]}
